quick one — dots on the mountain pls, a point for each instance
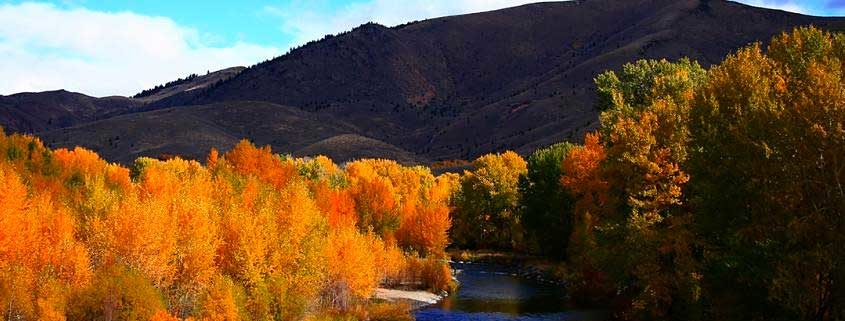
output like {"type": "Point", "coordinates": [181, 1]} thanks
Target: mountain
{"type": "Point", "coordinates": [36, 112]}
{"type": "Point", "coordinates": [187, 84]}
{"type": "Point", "coordinates": [191, 131]}
{"type": "Point", "coordinates": [49, 110]}
{"type": "Point", "coordinates": [445, 88]}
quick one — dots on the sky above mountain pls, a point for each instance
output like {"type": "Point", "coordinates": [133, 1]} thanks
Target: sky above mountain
{"type": "Point", "coordinates": [104, 47]}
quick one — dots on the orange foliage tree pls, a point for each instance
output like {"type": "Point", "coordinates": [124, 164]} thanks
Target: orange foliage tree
{"type": "Point", "coordinates": [39, 256]}
{"type": "Point", "coordinates": [252, 235]}
{"type": "Point", "coordinates": [585, 179]}
{"type": "Point", "coordinates": [352, 273]}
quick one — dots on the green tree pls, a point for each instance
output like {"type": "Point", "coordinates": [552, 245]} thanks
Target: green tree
{"type": "Point", "coordinates": [546, 205]}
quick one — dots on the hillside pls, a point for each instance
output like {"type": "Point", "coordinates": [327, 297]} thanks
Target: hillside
{"type": "Point", "coordinates": [187, 84]}
{"type": "Point", "coordinates": [454, 87]}
{"type": "Point", "coordinates": [192, 131]}
{"type": "Point", "coordinates": [516, 78]}
{"type": "Point", "coordinates": [36, 112]}
{"type": "Point", "coordinates": [49, 110]}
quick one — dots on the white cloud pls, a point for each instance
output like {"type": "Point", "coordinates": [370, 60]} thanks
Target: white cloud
{"type": "Point", "coordinates": [785, 5]}
{"type": "Point", "coordinates": [45, 47]}
{"type": "Point", "coordinates": [306, 20]}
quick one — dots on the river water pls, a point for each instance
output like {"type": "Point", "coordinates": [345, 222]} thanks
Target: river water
{"type": "Point", "coordinates": [490, 292]}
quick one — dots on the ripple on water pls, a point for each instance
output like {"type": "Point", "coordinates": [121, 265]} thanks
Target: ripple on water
{"type": "Point", "coordinates": [490, 292]}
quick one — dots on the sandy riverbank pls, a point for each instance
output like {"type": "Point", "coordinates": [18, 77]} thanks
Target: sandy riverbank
{"type": "Point", "coordinates": [416, 299]}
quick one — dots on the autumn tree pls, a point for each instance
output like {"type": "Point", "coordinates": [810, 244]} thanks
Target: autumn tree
{"type": "Point", "coordinates": [352, 274]}
{"type": "Point", "coordinates": [320, 168]}
{"type": "Point", "coordinates": [247, 159]}
{"type": "Point", "coordinates": [426, 216]}
{"type": "Point", "coordinates": [91, 187]}
{"type": "Point", "coordinates": [336, 204]}
{"type": "Point", "coordinates": [116, 293]}
{"type": "Point", "coordinates": [391, 262]}
{"type": "Point", "coordinates": [377, 206]}
{"type": "Point", "coordinates": [645, 133]}
{"type": "Point", "coordinates": [40, 258]}
{"type": "Point", "coordinates": [301, 235]}
{"type": "Point", "coordinates": [584, 179]}
{"type": "Point", "coordinates": [767, 158]}
{"type": "Point", "coordinates": [487, 206]}
{"type": "Point", "coordinates": [272, 243]}
{"type": "Point", "coordinates": [376, 199]}
{"type": "Point", "coordinates": [222, 301]}
{"type": "Point", "coordinates": [186, 191]}
{"type": "Point", "coordinates": [254, 235]}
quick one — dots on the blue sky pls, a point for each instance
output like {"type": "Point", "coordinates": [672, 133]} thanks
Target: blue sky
{"type": "Point", "coordinates": [121, 47]}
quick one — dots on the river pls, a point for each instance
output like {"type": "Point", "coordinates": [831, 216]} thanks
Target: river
{"type": "Point", "coordinates": [490, 292]}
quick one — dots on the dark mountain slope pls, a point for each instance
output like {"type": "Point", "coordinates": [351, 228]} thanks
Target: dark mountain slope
{"type": "Point", "coordinates": [351, 146]}
{"type": "Point", "coordinates": [518, 78]}
{"type": "Point", "coordinates": [558, 105]}
{"type": "Point", "coordinates": [193, 130]}
{"type": "Point", "coordinates": [49, 110]}
{"type": "Point", "coordinates": [35, 112]}
{"type": "Point", "coordinates": [187, 84]}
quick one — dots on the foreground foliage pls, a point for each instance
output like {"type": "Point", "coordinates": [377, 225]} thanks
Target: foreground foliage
{"type": "Point", "coordinates": [252, 235]}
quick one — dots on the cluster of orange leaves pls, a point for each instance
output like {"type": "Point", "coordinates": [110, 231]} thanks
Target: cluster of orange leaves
{"type": "Point", "coordinates": [250, 235]}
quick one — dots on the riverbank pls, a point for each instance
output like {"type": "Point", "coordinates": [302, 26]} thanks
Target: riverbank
{"type": "Point", "coordinates": [527, 267]}
{"type": "Point", "coordinates": [415, 299]}
{"type": "Point", "coordinates": [493, 292]}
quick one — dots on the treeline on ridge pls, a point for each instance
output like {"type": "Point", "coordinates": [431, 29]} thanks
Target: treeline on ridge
{"type": "Point", "coordinates": [157, 88]}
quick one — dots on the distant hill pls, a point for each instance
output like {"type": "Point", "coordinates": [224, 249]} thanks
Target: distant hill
{"type": "Point", "coordinates": [44, 111]}
{"type": "Point", "coordinates": [445, 88]}
{"type": "Point", "coordinates": [193, 130]}
{"type": "Point", "coordinates": [351, 146]}
{"type": "Point", "coordinates": [36, 112]}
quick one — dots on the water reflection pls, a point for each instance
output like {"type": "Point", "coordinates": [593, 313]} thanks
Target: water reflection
{"type": "Point", "coordinates": [490, 292]}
